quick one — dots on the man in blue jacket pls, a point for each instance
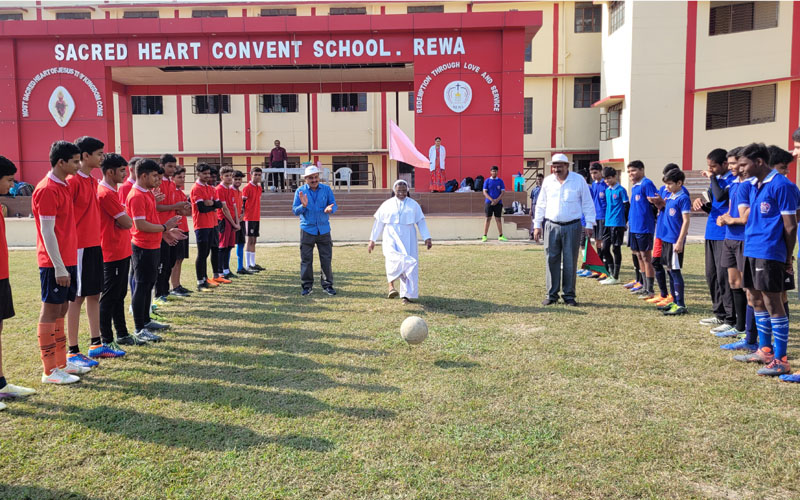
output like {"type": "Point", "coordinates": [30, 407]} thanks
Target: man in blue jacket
{"type": "Point", "coordinates": [313, 202]}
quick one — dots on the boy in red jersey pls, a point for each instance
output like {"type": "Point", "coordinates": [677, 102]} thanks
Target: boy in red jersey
{"type": "Point", "coordinates": [228, 224]}
{"type": "Point", "coordinates": [238, 177]}
{"type": "Point", "coordinates": [182, 248]}
{"type": "Point", "coordinates": [204, 204]}
{"type": "Point", "coordinates": [146, 236]}
{"type": "Point", "coordinates": [167, 208]}
{"type": "Point", "coordinates": [57, 256]}
{"type": "Point", "coordinates": [251, 194]}
{"type": "Point", "coordinates": [90, 256]}
{"type": "Point", "coordinates": [7, 171]}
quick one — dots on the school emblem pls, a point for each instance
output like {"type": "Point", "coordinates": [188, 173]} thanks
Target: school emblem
{"type": "Point", "coordinates": [614, 196]}
{"type": "Point", "coordinates": [458, 95]}
{"type": "Point", "coordinates": [672, 211]}
{"type": "Point", "coordinates": [638, 197]}
{"type": "Point", "coordinates": [765, 207]}
{"type": "Point", "coordinates": [602, 195]}
{"type": "Point", "coordinates": [61, 106]}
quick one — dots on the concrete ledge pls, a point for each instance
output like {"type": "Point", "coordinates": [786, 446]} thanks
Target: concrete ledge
{"type": "Point", "coordinates": [22, 232]}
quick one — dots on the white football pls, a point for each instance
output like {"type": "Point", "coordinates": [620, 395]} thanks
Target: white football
{"type": "Point", "coordinates": [414, 330]}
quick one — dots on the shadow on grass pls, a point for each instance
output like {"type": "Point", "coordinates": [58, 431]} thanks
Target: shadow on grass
{"type": "Point", "coordinates": [448, 364]}
{"type": "Point", "coordinates": [472, 308]}
{"type": "Point", "coordinates": [172, 432]}
{"type": "Point", "coordinates": [37, 492]}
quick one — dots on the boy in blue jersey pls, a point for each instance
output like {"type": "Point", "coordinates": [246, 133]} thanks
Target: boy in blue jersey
{"type": "Point", "coordinates": [493, 189]}
{"type": "Point", "coordinates": [598, 190]}
{"type": "Point", "coordinates": [779, 160]}
{"type": "Point", "coordinates": [617, 206]}
{"type": "Point", "coordinates": [716, 275]}
{"type": "Point", "coordinates": [795, 377]}
{"type": "Point", "coordinates": [665, 297]}
{"type": "Point", "coordinates": [738, 192]}
{"type": "Point", "coordinates": [642, 222]}
{"type": "Point", "coordinates": [674, 228]}
{"type": "Point", "coordinates": [770, 235]}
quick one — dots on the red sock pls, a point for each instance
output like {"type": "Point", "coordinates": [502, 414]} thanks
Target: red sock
{"type": "Point", "coordinates": [61, 343]}
{"type": "Point", "coordinates": [47, 346]}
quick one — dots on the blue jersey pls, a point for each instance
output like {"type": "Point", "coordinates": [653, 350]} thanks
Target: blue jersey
{"type": "Point", "coordinates": [493, 187]}
{"type": "Point", "coordinates": [598, 190]}
{"type": "Point", "coordinates": [763, 233]}
{"type": "Point", "coordinates": [616, 198]}
{"type": "Point", "coordinates": [664, 193]}
{"type": "Point", "coordinates": [677, 205]}
{"type": "Point", "coordinates": [739, 194]}
{"type": "Point", "coordinates": [713, 231]}
{"type": "Point", "coordinates": [641, 218]}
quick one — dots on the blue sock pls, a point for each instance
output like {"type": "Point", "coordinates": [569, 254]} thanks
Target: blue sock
{"type": "Point", "coordinates": [240, 256]}
{"type": "Point", "coordinates": [3, 382]}
{"type": "Point", "coordinates": [780, 333]}
{"type": "Point", "coordinates": [661, 279]}
{"type": "Point", "coordinates": [751, 333]}
{"type": "Point", "coordinates": [671, 286]}
{"type": "Point", "coordinates": [786, 309]}
{"type": "Point", "coordinates": [677, 282]}
{"type": "Point", "coordinates": [764, 327]}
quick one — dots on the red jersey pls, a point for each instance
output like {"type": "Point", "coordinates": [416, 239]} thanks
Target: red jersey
{"type": "Point", "coordinates": [183, 224]}
{"type": "Point", "coordinates": [202, 192]}
{"type": "Point", "coordinates": [142, 205]}
{"type": "Point", "coordinates": [85, 209]}
{"type": "Point", "coordinates": [252, 195]}
{"type": "Point", "coordinates": [125, 190]}
{"type": "Point", "coordinates": [238, 199]}
{"type": "Point", "coordinates": [115, 241]}
{"type": "Point", "coordinates": [3, 249]}
{"type": "Point", "coordinates": [226, 195]}
{"type": "Point", "coordinates": [168, 189]}
{"type": "Point", "coordinates": [52, 200]}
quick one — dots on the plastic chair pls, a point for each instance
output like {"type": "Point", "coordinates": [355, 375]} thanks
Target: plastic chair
{"type": "Point", "coordinates": [342, 175]}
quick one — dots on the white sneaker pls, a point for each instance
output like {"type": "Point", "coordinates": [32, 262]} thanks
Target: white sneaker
{"type": "Point", "coordinates": [719, 329]}
{"type": "Point", "coordinates": [610, 281]}
{"type": "Point", "coordinates": [15, 391]}
{"type": "Point", "coordinates": [711, 321]}
{"type": "Point", "coordinates": [74, 369]}
{"type": "Point", "coordinates": [59, 377]}
{"type": "Point", "coordinates": [2, 406]}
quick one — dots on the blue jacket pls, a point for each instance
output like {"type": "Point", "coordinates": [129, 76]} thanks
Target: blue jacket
{"type": "Point", "coordinates": [313, 218]}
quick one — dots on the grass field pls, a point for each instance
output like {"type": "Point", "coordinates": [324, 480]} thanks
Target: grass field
{"type": "Point", "coordinates": [259, 393]}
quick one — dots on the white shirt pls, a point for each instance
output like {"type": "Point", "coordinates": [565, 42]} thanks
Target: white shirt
{"type": "Point", "coordinates": [432, 157]}
{"type": "Point", "coordinates": [564, 202]}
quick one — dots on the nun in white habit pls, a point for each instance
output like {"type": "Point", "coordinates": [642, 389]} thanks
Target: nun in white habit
{"type": "Point", "coordinates": [397, 220]}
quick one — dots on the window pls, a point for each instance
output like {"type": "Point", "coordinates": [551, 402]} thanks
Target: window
{"type": "Point", "coordinates": [737, 107]}
{"type": "Point", "coordinates": [73, 15]}
{"type": "Point", "coordinates": [210, 105]}
{"type": "Point", "coordinates": [581, 163]}
{"type": "Point", "coordinates": [587, 92]}
{"type": "Point", "coordinates": [411, 101]}
{"type": "Point", "coordinates": [347, 11]}
{"type": "Point", "coordinates": [358, 164]}
{"type": "Point", "coordinates": [616, 16]}
{"type": "Point", "coordinates": [349, 102]}
{"type": "Point", "coordinates": [422, 9]}
{"type": "Point", "coordinates": [735, 17]}
{"type": "Point", "coordinates": [529, 52]}
{"type": "Point", "coordinates": [278, 12]}
{"type": "Point", "coordinates": [11, 17]}
{"type": "Point", "coordinates": [527, 123]}
{"type": "Point", "coordinates": [147, 105]}
{"type": "Point", "coordinates": [588, 17]}
{"type": "Point", "coordinates": [277, 103]}
{"type": "Point", "coordinates": [214, 161]}
{"type": "Point", "coordinates": [610, 122]}
{"type": "Point", "coordinates": [140, 14]}
{"type": "Point", "coordinates": [209, 13]}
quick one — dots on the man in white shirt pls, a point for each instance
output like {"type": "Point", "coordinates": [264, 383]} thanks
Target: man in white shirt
{"type": "Point", "coordinates": [563, 200]}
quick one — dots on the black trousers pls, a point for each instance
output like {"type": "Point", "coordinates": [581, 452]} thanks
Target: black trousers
{"type": "Point", "coordinates": [278, 175]}
{"type": "Point", "coordinates": [324, 245]}
{"type": "Point", "coordinates": [112, 299]}
{"type": "Point", "coordinates": [167, 262]}
{"type": "Point", "coordinates": [207, 242]}
{"type": "Point", "coordinates": [145, 272]}
{"type": "Point", "coordinates": [717, 279]}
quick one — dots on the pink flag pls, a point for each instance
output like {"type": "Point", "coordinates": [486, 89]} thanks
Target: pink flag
{"type": "Point", "coordinates": [402, 149]}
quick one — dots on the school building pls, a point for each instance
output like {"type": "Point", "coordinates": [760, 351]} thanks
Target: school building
{"type": "Point", "coordinates": [505, 83]}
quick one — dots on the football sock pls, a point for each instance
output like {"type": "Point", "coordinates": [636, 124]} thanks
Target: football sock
{"type": "Point", "coordinates": [780, 333]}
{"type": "Point", "coordinates": [617, 252]}
{"type": "Point", "coordinates": [47, 346]}
{"type": "Point", "coordinates": [740, 306]}
{"type": "Point", "coordinates": [73, 349]}
{"type": "Point", "coordinates": [240, 257]}
{"type": "Point", "coordinates": [61, 343]}
{"type": "Point", "coordinates": [649, 284]}
{"type": "Point", "coordinates": [751, 332]}
{"type": "Point", "coordinates": [764, 327]}
{"type": "Point", "coordinates": [250, 258]}
{"type": "Point", "coordinates": [661, 277]}
{"type": "Point", "coordinates": [677, 281]}
{"type": "Point", "coordinates": [94, 341]}
{"type": "Point", "coordinates": [3, 382]}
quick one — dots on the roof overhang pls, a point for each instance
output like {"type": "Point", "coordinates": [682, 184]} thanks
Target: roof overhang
{"type": "Point", "coordinates": [609, 101]}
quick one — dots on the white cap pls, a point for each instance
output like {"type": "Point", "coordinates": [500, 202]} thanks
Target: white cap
{"type": "Point", "coordinates": [560, 158]}
{"type": "Point", "coordinates": [310, 170]}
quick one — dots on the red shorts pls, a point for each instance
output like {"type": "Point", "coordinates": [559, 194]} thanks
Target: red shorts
{"type": "Point", "coordinates": [227, 235]}
{"type": "Point", "coordinates": [657, 247]}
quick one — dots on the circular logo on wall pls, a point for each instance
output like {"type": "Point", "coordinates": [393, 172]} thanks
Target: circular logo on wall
{"type": "Point", "coordinates": [61, 106]}
{"type": "Point", "coordinates": [457, 95]}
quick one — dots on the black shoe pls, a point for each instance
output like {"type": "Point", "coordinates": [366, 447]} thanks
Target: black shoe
{"type": "Point", "coordinates": [229, 276]}
{"type": "Point", "coordinates": [330, 290]}
{"type": "Point", "coordinates": [253, 270]}
{"type": "Point", "coordinates": [243, 272]}
{"type": "Point", "coordinates": [305, 291]}
{"type": "Point", "coordinates": [571, 302]}
{"type": "Point", "coordinates": [184, 289]}
{"type": "Point", "coordinates": [155, 325]}
{"type": "Point", "coordinates": [178, 292]}
{"type": "Point", "coordinates": [203, 287]}
{"type": "Point", "coordinates": [548, 302]}
{"type": "Point", "coordinates": [258, 268]}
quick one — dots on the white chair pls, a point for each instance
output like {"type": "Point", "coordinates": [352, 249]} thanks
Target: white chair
{"type": "Point", "coordinates": [342, 175]}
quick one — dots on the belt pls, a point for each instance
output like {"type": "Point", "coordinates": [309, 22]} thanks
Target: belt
{"type": "Point", "coordinates": [564, 223]}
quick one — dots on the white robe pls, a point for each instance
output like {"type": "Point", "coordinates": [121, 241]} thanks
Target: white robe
{"type": "Point", "coordinates": [395, 221]}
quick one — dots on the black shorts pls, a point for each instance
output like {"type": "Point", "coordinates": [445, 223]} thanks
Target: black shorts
{"type": "Point", "coordinates": [144, 263]}
{"type": "Point", "coordinates": [6, 301]}
{"type": "Point", "coordinates": [613, 236]}
{"type": "Point", "coordinates": [732, 254]}
{"type": "Point", "coordinates": [766, 275]}
{"type": "Point", "coordinates": [52, 292]}
{"type": "Point", "coordinates": [208, 235]}
{"type": "Point", "coordinates": [240, 235]}
{"type": "Point", "coordinates": [182, 248]}
{"type": "Point", "coordinates": [671, 259]}
{"type": "Point", "coordinates": [253, 228]}
{"type": "Point", "coordinates": [496, 210]}
{"type": "Point", "coordinates": [641, 242]}
{"type": "Point", "coordinates": [90, 272]}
